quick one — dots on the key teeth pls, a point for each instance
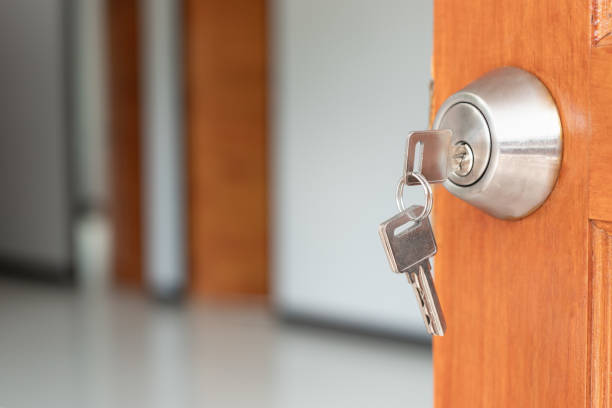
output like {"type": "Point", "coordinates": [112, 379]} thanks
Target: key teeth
{"type": "Point", "coordinates": [431, 297]}
{"type": "Point", "coordinates": [429, 305]}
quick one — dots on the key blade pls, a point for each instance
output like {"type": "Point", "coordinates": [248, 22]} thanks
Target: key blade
{"type": "Point", "coordinates": [427, 152]}
{"type": "Point", "coordinates": [422, 283]}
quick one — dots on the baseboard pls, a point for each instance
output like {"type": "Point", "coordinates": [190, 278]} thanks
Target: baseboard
{"type": "Point", "coordinates": [20, 269]}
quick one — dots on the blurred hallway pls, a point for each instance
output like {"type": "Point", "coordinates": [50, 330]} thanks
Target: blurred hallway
{"type": "Point", "coordinates": [158, 149]}
{"type": "Point", "coordinates": [67, 348]}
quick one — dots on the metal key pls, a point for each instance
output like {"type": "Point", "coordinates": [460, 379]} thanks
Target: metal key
{"type": "Point", "coordinates": [431, 153]}
{"type": "Point", "coordinates": [421, 280]}
{"type": "Point", "coordinates": [428, 152]}
{"type": "Point", "coordinates": [409, 244]}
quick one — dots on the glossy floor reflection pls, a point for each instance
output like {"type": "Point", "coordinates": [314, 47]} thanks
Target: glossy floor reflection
{"type": "Point", "coordinates": [66, 348]}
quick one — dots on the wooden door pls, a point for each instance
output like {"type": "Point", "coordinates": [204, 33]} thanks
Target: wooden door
{"type": "Point", "coordinates": [529, 303]}
{"type": "Point", "coordinates": [226, 89]}
{"type": "Point", "coordinates": [125, 144]}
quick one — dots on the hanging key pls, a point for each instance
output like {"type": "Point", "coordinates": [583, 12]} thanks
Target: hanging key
{"type": "Point", "coordinates": [407, 237]}
{"type": "Point", "coordinates": [409, 242]}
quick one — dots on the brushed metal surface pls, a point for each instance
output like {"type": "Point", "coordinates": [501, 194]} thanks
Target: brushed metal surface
{"type": "Point", "coordinates": [407, 241]}
{"type": "Point", "coordinates": [468, 126]}
{"type": "Point", "coordinates": [526, 142]}
{"type": "Point", "coordinates": [427, 153]}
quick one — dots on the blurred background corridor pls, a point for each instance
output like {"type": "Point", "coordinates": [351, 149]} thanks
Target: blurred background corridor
{"type": "Point", "coordinates": [189, 198]}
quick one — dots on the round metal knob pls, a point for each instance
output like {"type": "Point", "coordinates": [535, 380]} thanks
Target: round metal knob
{"type": "Point", "coordinates": [511, 122]}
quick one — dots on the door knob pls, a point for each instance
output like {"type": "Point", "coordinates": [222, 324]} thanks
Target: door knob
{"type": "Point", "coordinates": [506, 142]}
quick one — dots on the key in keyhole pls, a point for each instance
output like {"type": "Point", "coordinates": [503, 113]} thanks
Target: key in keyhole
{"type": "Point", "coordinates": [428, 153]}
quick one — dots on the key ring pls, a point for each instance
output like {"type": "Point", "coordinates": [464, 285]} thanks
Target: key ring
{"type": "Point", "coordinates": [399, 194]}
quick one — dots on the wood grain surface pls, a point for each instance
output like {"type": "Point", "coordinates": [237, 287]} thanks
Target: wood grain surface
{"type": "Point", "coordinates": [601, 315]}
{"type": "Point", "coordinates": [529, 303]}
{"type": "Point", "coordinates": [124, 140]}
{"type": "Point", "coordinates": [600, 174]}
{"type": "Point", "coordinates": [600, 199]}
{"type": "Point", "coordinates": [602, 22]}
{"type": "Point", "coordinates": [516, 293]}
{"type": "Point", "coordinates": [225, 68]}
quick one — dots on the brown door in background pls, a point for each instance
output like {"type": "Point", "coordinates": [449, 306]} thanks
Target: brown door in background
{"type": "Point", "coordinates": [529, 303]}
{"type": "Point", "coordinates": [226, 122]}
{"type": "Point", "coordinates": [225, 72]}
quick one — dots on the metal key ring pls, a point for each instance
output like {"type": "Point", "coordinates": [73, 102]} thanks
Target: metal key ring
{"type": "Point", "coordinates": [399, 194]}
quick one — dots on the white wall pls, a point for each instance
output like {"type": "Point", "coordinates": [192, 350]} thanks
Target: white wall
{"type": "Point", "coordinates": [350, 80]}
{"type": "Point", "coordinates": [162, 148]}
{"type": "Point", "coordinates": [89, 83]}
{"type": "Point", "coordinates": [35, 201]}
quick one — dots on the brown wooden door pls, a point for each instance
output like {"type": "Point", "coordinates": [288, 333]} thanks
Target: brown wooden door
{"type": "Point", "coordinates": [529, 303]}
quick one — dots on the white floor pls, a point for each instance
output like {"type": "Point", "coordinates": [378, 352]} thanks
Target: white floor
{"type": "Point", "coordinates": [68, 348]}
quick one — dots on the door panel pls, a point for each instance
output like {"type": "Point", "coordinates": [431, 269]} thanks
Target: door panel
{"type": "Point", "coordinates": [601, 315]}
{"type": "Point", "coordinates": [600, 174]}
{"type": "Point", "coordinates": [526, 325]}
